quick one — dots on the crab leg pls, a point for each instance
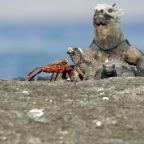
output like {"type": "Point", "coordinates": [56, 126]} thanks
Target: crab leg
{"type": "Point", "coordinates": [52, 76]}
{"type": "Point", "coordinates": [34, 75]}
{"type": "Point", "coordinates": [59, 73]}
{"type": "Point", "coordinates": [71, 73]}
{"type": "Point", "coordinates": [29, 74]}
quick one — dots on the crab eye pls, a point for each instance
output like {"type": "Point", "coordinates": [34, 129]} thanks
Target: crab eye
{"type": "Point", "coordinates": [110, 10]}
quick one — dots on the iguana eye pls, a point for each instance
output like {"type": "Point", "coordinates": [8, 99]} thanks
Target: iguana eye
{"type": "Point", "coordinates": [110, 10]}
{"type": "Point", "coordinates": [101, 11]}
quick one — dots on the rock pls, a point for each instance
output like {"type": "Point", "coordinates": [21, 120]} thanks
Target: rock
{"type": "Point", "coordinates": [94, 111]}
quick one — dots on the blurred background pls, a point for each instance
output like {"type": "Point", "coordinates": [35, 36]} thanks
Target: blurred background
{"type": "Point", "coordinates": [37, 32]}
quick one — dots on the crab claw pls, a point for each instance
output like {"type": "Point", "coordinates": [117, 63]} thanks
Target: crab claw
{"type": "Point", "coordinates": [29, 77]}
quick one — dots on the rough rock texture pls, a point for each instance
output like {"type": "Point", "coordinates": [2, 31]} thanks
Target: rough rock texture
{"type": "Point", "coordinates": [108, 111]}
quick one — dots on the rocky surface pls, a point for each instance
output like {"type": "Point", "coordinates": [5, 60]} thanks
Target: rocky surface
{"type": "Point", "coordinates": [108, 111]}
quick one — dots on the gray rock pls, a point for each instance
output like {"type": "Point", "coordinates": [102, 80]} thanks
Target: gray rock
{"type": "Point", "coordinates": [104, 111]}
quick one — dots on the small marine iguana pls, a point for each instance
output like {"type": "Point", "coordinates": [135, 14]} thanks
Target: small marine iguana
{"type": "Point", "coordinates": [114, 68]}
{"type": "Point", "coordinates": [83, 68]}
{"type": "Point", "coordinates": [109, 40]}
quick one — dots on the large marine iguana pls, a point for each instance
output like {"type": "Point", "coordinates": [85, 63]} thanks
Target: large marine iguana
{"type": "Point", "coordinates": [109, 40]}
{"type": "Point", "coordinates": [83, 68]}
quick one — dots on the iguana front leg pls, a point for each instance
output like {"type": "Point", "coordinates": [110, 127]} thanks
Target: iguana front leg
{"type": "Point", "coordinates": [135, 56]}
{"type": "Point", "coordinates": [86, 70]}
{"type": "Point", "coordinates": [77, 74]}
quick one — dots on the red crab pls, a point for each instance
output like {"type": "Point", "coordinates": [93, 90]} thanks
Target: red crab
{"type": "Point", "coordinates": [59, 66]}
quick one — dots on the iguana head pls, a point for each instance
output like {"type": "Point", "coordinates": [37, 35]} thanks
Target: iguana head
{"type": "Point", "coordinates": [75, 53]}
{"type": "Point", "coordinates": [104, 13]}
{"type": "Point", "coordinates": [108, 69]}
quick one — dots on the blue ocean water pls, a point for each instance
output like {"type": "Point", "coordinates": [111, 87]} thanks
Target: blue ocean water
{"type": "Point", "coordinates": [26, 46]}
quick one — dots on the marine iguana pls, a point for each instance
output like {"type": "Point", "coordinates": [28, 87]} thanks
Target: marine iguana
{"type": "Point", "coordinates": [90, 69]}
{"type": "Point", "coordinates": [114, 68]}
{"type": "Point", "coordinates": [83, 68]}
{"type": "Point", "coordinates": [109, 40]}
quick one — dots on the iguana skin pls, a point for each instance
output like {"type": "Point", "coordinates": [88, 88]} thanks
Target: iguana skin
{"type": "Point", "coordinates": [114, 68]}
{"type": "Point", "coordinates": [83, 68]}
{"type": "Point", "coordinates": [109, 40]}
{"type": "Point", "coordinates": [90, 69]}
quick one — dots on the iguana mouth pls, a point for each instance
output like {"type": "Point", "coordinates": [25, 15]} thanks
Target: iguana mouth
{"type": "Point", "coordinates": [70, 51]}
{"type": "Point", "coordinates": [101, 20]}
{"type": "Point", "coordinates": [100, 24]}
{"type": "Point", "coordinates": [108, 73]}
{"type": "Point", "coordinates": [73, 50]}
